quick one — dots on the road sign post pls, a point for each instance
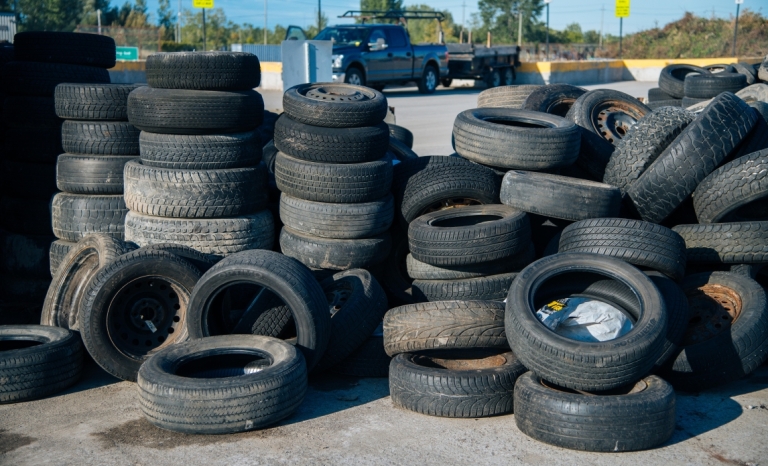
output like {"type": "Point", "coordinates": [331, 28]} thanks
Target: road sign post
{"type": "Point", "coordinates": [622, 11]}
{"type": "Point", "coordinates": [736, 26]}
{"type": "Point", "coordinates": [203, 4]}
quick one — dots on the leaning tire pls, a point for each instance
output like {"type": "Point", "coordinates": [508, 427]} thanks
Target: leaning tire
{"type": "Point", "coordinates": [56, 254]}
{"type": "Point", "coordinates": [335, 254]}
{"type": "Point", "coordinates": [403, 135]}
{"type": "Point", "coordinates": [76, 215]}
{"type": "Point", "coordinates": [52, 362]}
{"type": "Point", "coordinates": [555, 99]}
{"type": "Point", "coordinates": [214, 71]}
{"type": "Point", "coordinates": [726, 243]}
{"type": "Point", "coordinates": [628, 421]}
{"type": "Point", "coordinates": [335, 105]}
{"type": "Point", "coordinates": [200, 152]}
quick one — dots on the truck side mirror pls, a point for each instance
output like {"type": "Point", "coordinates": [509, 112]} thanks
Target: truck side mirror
{"type": "Point", "coordinates": [380, 44]}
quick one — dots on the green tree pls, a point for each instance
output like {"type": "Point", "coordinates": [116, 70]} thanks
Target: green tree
{"type": "Point", "coordinates": [165, 19]}
{"type": "Point", "coordinates": [312, 30]}
{"type": "Point", "coordinates": [500, 17]}
{"type": "Point", "coordinates": [383, 5]}
{"type": "Point", "coordinates": [425, 30]}
{"type": "Point", "coordinates": [572, 34]}
{"type": "Point", "coordinates": [49, 15]}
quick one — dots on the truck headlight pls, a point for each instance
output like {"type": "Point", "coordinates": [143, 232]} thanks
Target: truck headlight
{"type": "Point", "coordinates": [336, 60]}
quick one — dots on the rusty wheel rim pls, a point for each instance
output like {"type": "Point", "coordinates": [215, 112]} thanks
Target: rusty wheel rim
{"type": "Point", "coordinates": [338, 295]}
{"type": "Point", "coordinates": [612, 119]}
{"type": "Point", "coordinates": [450, 203]}
{"type": "Point", "coordinates": [712, 310]}
{"type": "Point", "coordinates": [333, 93]}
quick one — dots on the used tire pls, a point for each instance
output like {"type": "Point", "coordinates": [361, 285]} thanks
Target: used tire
{"type": "Point", "coordinates": [100, 138]}
{"type": "Point", "coordinates": [340, 221]}
{"type": "Point", "coordinates": [400, 151]}
{"type": "Point", "coordinates": [677, 316]}
{"type": "Point", "coordinates": [335, 183]}
{"type": "Point", "coordinates": [687, 102]}
{"type": "Point", "coordinates": [216, 71]}
{"type": "Point", "coordinates": [200, 152]}
{"type": "Point", "coordinates": [727, 336]}
{"type": "Point", "coordinates": [656, 94]}
{"type": "Point", "coordinates": [403, 135]}
{"type": "Point", "coordinates": [642, 244]}
{"type": "Point", "coordinates": [555, 99]}
{"type": "Point", "coordinates": [369, 360]}
{"type": "Point", "coordinates": [457, 384]}
{"type": "Point", "coordinates": [76, 215]}
{"type": "Point", "coordinates": [176, 193]}
{"type": "Point", "coordinates": [487, 288]}
{"type": "Point", "coordinates": [707, 86]}
{"type": "Point", "coordinates": [335, 105]}
{"type": "Point", "coordinates": [83, 260]}
{"type": "Point", "coordinates": [559, 196]}
{"type": "Point", "coordinates": [726, 243]}
{"type": "Point", "coordinates": [672, 78]}
{"type": "Point", "coordinates": [335, 254]}
{"type": "Point", "coordinates": [124, 320]}
{"type": "Point", "coordinates": [735, 192]}
{"type": "Point", "coordinates": [216, 236]}
{"type": "Point", "coordinates": [422, 271]}
{"type": "Point", "coordinates": [470, 235]}
{"type": "Point", "coordinates": [35, 78]}
{"type": "Point", "coordinates": [506, 96]}
{"type": "Point", "coordinates": [639, 417]}
{"type": "Point", "coordinates": [37, 361]}
{"type": "Point", "coordinates": [65, 47]}
{"type": "Point", "coordinates": [665, 103]}
{"type": "Point", "coordinates": [93, 101]}
{"type": "Point", "coordinates": [695, 153]}
{"type": "Point", "coordinates": [643, 144]}
{"type": "Point", "coordinates": [520, 139]}
{"type": "Point", "coordinates": [292, 282]}
{"type": "Point", "coordinates": [331, 145]}
{"type": "Point", "coordinates": [91, 174]}
{"type": "Point", "coordinates": [222, 385]}
{"type": "Point", "coordinates": [56, 254]}
{"type": "Point", "coordinates": [591, 366]}
{"type": "Point", "coordinates": [172, 111]}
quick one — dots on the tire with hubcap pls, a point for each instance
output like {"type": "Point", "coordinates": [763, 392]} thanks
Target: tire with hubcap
{"type": "Point", "coordinates": [429, 80]}
{"type": "Point", "coordinates": [354, 76]}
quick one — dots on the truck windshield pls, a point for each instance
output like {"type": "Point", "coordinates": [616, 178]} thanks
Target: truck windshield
{"type": "Point", "coordinates": [343, 36]}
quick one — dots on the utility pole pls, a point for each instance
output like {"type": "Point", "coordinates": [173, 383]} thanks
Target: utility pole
{"type": "Point", "coordinates": [602, 17]}
{"type": "Point", "coordinates": [547, 2]}
{"type": "Point", "coordinates": [463, 15]}
{"type": "Point", "coordinates": [519, 26]}
{"type": "Point", "coordinates": [319, 16]}
{"type": "Point", "coordinates": [178, 24]}
{"type": "Point", "coordinates": [736, 26]}
{"type": "Point", "coordinates": [98, 20]}
{"type": "Point", "coordinates": [205, 47]}
{"type": "Point", "coordinates": [265, 22]}
{"type": "Point", "coordinates": [621, 34]}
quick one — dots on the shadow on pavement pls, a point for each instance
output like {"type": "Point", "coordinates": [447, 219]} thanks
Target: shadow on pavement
{"type": "Point", "coordinates": [395, 92]}
{"type": "Point", "coordinates": [93, 377]}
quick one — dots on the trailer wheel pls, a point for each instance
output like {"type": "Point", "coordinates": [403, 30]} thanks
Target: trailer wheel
{"type": "Point", "coordinates": [446, 82]}
{"type": "Point", "coordinates": [493, 79]}
{"type": "Point", "coordinates": [509, 76]}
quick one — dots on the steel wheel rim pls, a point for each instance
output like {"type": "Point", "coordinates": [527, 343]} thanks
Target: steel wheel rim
{"type": "Point", "coordinates": [613, 119]}
{"type": "Point", "coordinates": [713, 309]}
{"type": "Point", "coordinates": [431, 80]}
{"type": "Point", "coordinates": [355, 79]}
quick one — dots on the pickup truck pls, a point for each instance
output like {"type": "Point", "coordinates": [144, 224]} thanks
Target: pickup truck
{"type": "Point", "coordinates": [375, 55]}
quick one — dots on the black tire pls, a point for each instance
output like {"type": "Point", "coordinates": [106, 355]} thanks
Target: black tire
{"type": "Point", "coordinates": [470, 235]}
{"type": "Point", "coordinates": [369, 360]}
{"type": "Point", "coordinates": [577, 365]}
{"type": "Point", "coordinates": [335, 183]}
{"type": "Point", "coordinates": [756, 140]}
{"type": "Point", "coordinates": [59, 249]}
{"type": "Point", "coordinates": [487, 288]}
{"type": "Point", "coordinates": [335, 105]}
{"type": "Point", "coordinates": [447, 325]}
{"type": "Point", "coordinates": [83, 260]}
{"type": "Point", "coordinates": [27, 111]}
{"type": "Point", "coordinates": [202, 261]}
{"type": "Point", "coordinates": [506, 96]}
{"type": "Point", "coordinates": [357, 304]}
{"type": "Point", "coordinates": [100, 138]}
{"type": "Point", "coordinates": [665, 103]}
{"type": "Point", "coordinates": [559, 196]}
{"type": "Point", "coordinates": [24, 255]}
{"type": "Point", "coordinates": [446, 82]}
{"type": "Point", "coordinates": [214, 71]}
{"type": "Point", "coordinates": [175, 193]}
{"type": "Point", "coordinates": [392, 273]}
{"type": "Point", "coordinates": [116, 300]}
{"type": "Point", "coordinates": [76, 215]}
{"type": "Point", "coordinates": [691, 101]}
{"type": "Point", "coordinates": [605, 117]}
{"type": "Point", "coordinates": [707, 86]}
{"type": "Point", "coordinates": [34, 78]}
{"type": "Point", "coordinates": [656, 94]}
{"type": "Point", "coordinates": [456, 384]}
{"type": "Point", "coordinates": [331, 145]}
{"type": "Point", "coordinates": [520, 139]}
{"type": "Point", "coordinates": [65, 47]}
{"type": "Point", "coordinates": [91, 174]}
{"type": "Point", "coordinates": [292, 282]}
{"type": "Point", "coordinates": [762, 109]}
{"type": "Point", "coordinates": [730, 337]}
{"type": "Point", "coordinates": [208, 386]}
{"type": "Point", "coordinates": [400, 151]}
{"type": "Point", "coordinates": [677, 317]}
{"type": "Point", "coordinates": [93, 101]}
{"type": "Point", "coordinates": [37, 361]}
{"type": "Point", "coordinates": [403, 135]}
{"type": "Point", "coordinates": [735, 192]}
{"type": "Point", "coordinates": [200, 152]}
{"type": "Point", "coordinates": [555, 99]}
{"type": "Point", "coordinates": [643, 144]}
{"type": "Point", "coordinates": [26, 216]}
{"type": "Point", "coordinates": [32, 144]}
{"type": "Point", "coordinates": [429, 80]}
{"type": "Point", "coordinates": [422, 271]}
{"type": "Point", "coordinates": [625, 420]}
{"type": "Point", "coordinates": [672, 79]}
{"type": "Point", "coordinates": [216, 236]}
{"type": "Point", "coordinates": [28, 180]}
{"type": "Point", "coordinates": [762, 71]}
{"type": "Point", "coordinates": [695, 153]}
{"type": "Point", "coordinates": [433, 183]}
{"type": "Point", "coordinates": [340, 221]}
{"type": "Point", "coordinates": [645, 245]}
{"type": "Point", "coordinates": [171, 111]}
{"type": "Point", "coordinates": [335, 254]}
{"type": "Point", "coordinates": [726, 243]}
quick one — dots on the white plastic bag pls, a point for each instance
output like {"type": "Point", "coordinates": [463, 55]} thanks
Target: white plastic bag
{"type": "Point", "coordinates": [584, 319]}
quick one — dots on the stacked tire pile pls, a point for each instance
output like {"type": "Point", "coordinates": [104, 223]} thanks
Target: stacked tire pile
{"type": "Point", "coordinates": [199, 182]}
{"type": "Point", "coordinates": [334, 176]}
{"type": "Point", "coordinates": [32, 143]}
{"type": "Point", "coordinates": [97, 141]}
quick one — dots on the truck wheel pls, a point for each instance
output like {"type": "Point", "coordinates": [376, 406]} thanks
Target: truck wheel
{"type": "Point", "coordinates": [446, 82]}
{"type": "Point", "coordinates": [429, 80]}
{"type": "Point", "coordinates": [354, 76]}
{"type": "Point", "coordinates": [493, 79]}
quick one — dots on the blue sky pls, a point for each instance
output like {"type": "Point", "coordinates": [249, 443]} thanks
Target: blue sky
{"type": "Point", "coordinates": [644, 14]}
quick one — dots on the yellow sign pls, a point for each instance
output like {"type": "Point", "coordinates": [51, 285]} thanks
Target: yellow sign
{"type": "Point", "coordinates": [622, 8]}
{"type": "Point", "coordinates": [209, 3]}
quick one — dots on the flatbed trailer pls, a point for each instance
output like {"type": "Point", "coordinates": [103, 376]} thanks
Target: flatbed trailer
{"type": "Point", "coordinates": [494, 65]}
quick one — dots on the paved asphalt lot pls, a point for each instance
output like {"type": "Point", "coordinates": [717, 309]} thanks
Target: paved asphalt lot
{"type": "Point", "coordinates": [352, 421]}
